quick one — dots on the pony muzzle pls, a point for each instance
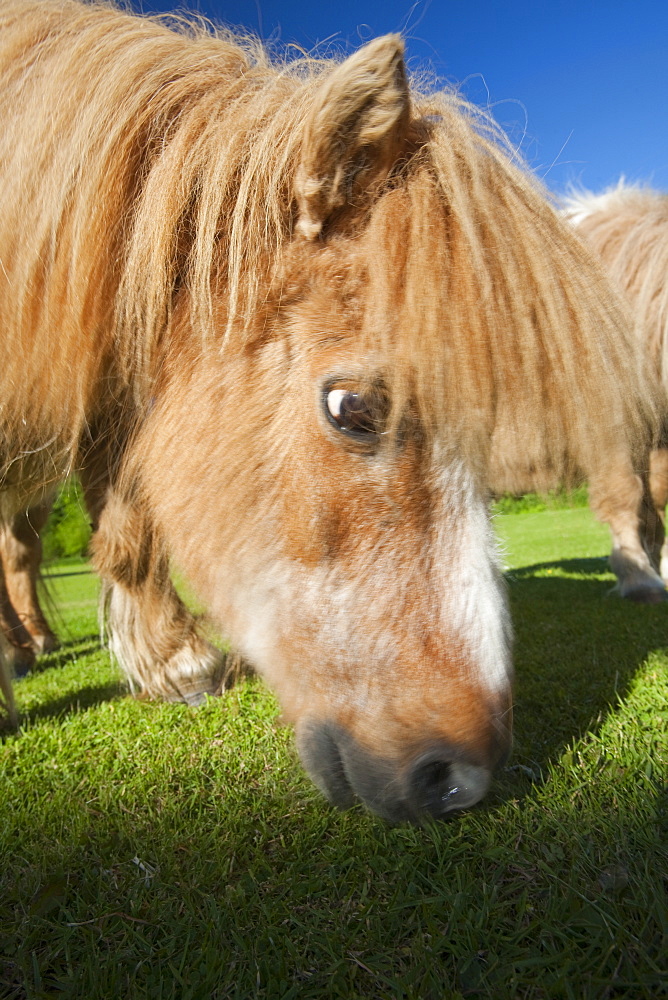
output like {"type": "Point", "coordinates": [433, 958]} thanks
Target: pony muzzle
{"type": "Point", "coordinates": [435, 781]}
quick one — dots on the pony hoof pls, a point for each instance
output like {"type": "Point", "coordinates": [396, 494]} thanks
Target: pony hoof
{"type": "Point", "coordinates": [43, 644]}
{"type": "Point", "coordinates": [9, 720]}
{"type": "Point", "coordinates": [196, 699]}
{"type": "Point", "coordinates": [196, 695]}
{"type": "Point", "coordinates": [646, 595]}
{"type": "Point", "coordinates": [22, 661]}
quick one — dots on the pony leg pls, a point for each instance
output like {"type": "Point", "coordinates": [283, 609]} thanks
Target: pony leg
{"type": "Point", "coordinates": [7, 703]}
{"type": "Point", "coordinates": [658, 489]}
{"type": "Point", "coordinates": [13, 656]}
{"type": "Point", "coordinates": [150, 631]}
{"type": "Point", "coordinates": [21, 548]}
{"type": "Point", "coordinates": [19, 654]}
{"type": "Point", "coordinates": [617, 497]}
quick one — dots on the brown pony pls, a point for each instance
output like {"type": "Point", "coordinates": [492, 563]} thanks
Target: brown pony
{"type": "Point", "coordinates": [628, 228]}
{"type": "Point", "coordinates": [275, 315]}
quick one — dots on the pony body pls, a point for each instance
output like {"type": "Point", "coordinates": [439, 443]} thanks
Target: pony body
{"type": "Point", "coordinates": [275, 315]}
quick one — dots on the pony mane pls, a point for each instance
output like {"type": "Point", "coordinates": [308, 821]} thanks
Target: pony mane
{"type": "Point", "coordinates": [167, 165]}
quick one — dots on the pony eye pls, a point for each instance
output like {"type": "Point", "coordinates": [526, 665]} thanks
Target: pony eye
{"type": "Point", "coordinates": [355, 413]}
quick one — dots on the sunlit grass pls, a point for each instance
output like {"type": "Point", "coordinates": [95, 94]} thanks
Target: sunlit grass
{"type": "Point", "coordinates": [160, 851]}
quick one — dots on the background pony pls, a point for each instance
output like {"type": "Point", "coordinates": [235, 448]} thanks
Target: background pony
{"type": "Point", "coordinates": [276, 315]}
{"type": "Point", "coordinates": [628, 228]}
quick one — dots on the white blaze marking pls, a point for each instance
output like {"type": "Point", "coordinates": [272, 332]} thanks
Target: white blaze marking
{"type": "Point", "coordinates": [474, 603]}
{"type": "Point", "coordinates": [352, 623]}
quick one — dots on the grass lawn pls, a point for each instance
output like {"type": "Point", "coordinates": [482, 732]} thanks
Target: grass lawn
{"type": "Point", "coordinates": [158, 851]}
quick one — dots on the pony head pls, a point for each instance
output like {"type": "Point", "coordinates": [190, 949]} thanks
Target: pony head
{"type": "Point", "coordinates": [348, 547]}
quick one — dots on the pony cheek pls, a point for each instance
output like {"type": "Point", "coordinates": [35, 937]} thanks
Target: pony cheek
{"type": "Point", "coordinates": [318, 511]}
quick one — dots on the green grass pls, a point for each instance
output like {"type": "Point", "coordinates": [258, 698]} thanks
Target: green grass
{"type": "Point", "coordinates": [157, 851]}
{"type": "Point", "coordinates": [67, 531]}
{"type": "Point", "coordinates": [558, 499]}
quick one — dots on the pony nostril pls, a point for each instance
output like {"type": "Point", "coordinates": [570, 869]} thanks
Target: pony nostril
{"type": "Point", "coordinates": [439, 784]}
{"type": "Point", "coordinates": [431, 787]}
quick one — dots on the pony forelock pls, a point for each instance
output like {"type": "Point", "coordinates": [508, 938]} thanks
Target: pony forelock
{"type": "Point", "coordinates": [167, 167]}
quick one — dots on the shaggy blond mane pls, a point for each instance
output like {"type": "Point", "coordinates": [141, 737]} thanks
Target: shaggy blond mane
{"type": "Point", "coordinates": [167, 165]}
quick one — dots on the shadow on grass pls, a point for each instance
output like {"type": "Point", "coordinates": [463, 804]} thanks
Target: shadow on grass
{"type": "Point", "coordinates": [577, 649]}
{"type": "Point", "coordinates": [83, 698]}
{"type": "Point", "coordinates": [68, 651]}
{"type": "Point", "coordinates": [593, 565]}
{"type": "Point", "coordinates": [77, 571]}
{"type": "Point", "coordinates": [76, 701]}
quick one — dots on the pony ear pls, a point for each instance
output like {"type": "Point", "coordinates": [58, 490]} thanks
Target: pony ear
{"type": "Point", "coordinates": [354, 131]}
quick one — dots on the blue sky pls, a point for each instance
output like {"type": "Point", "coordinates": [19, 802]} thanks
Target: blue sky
{"type": "Point", "coordinates": [583, 85]}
